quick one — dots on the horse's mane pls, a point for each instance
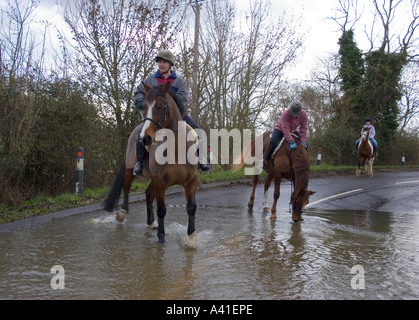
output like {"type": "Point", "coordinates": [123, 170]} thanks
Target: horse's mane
{"type": "Point", "coordinates": [157, 91]}
{"type": "Point", "coordinates": [154, 92]}
{"type": "Point", "coordinates": [364, 148]}
{"type": "Point", "coordinates": [301, 167]}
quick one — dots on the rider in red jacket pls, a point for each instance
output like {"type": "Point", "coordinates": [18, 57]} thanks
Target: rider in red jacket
{"type": "Point", "coordinates": [293, 120]}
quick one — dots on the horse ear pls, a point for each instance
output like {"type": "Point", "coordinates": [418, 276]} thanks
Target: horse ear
{"type": "Point", "coordinates": [166, 88]}
{"type": "Point", "coordinates": [311, 192]}
{"type": "Point", "coordinates": [146, 87]}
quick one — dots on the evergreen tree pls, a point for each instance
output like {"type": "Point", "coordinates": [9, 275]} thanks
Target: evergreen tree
{"type": "Point", "coordinates": [351, 69]}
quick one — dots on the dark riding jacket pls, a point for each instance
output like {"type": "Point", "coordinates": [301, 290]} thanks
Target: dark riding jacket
{"type": "Point", "coordinates": [178, 85]}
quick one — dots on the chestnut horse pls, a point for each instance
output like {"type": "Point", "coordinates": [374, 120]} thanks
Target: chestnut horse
{"type": "Point", "coordinates": [168, 139]}
{"type": "Point", "coordinates": [289, 164]}
{"type": "Point", "coordinates": [365, 153]}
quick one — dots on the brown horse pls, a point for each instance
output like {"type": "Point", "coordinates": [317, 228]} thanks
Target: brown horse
{"type": "Point", "coordinates": [365, 153]}
{"type": "Point", "coordinates": [289, 164]}
{"type": "Point", "coordinates": [168, 140]}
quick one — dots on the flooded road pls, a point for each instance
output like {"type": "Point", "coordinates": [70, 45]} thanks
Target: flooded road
{"type": "Point", "coordinates": [359, 240]}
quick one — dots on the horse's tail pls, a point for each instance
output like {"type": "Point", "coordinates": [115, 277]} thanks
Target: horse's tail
{"type": "Point", "coordinates": [248, 151]}
{"type": "Point", "coordinates": [115, 193]}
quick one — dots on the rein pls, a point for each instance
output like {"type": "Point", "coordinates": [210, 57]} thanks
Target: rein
{"type": "Point", "coordinates": [163, 115]}
{"type": "Point", "coordinates": [292, 204]}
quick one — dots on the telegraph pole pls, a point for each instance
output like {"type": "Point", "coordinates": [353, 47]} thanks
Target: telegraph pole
{"type": "Point", "coordinates": [195, 69]}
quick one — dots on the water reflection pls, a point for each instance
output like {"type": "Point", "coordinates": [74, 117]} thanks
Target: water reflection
{"type": "Point", "coordinates": [239, 256]}
{"type": "Point", "coordinates": [362, 218]}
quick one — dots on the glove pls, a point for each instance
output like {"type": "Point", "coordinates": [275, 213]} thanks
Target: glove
{"type": "Point", "coordinates": [293, 145]}
{"type": "Point", "coordinates": [304, 144]}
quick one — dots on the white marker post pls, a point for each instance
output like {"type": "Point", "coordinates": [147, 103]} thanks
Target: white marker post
{"type": "Point", "coordinates": [79, 170]}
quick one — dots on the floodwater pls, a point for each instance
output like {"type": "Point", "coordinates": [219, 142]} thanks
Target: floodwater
{"type": "Point", "coordinates": [240, 255]}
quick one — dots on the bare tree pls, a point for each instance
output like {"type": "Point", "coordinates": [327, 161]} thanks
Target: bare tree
{"type": "Point", "coordinates": [114, 44]}
{"type": "Point", "coordinates": [347, 14]}
{"type": "Point", "coordinates": [243, 63]}
{"type": "Point", "coordinates": [382, 34]}
{"type": "Point", "coordinates": [17, 43]}
{"type": "Point", "coordinates": [409, 117]}
{"type": "Point", "coordinates": [20, 73]}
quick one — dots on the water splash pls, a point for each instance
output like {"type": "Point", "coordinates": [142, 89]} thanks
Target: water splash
{"type": "Point", "coordinates": [109, 218]}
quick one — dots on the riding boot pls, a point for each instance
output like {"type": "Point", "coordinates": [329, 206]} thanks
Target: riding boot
{"type": "Point", "coordinates": [267, 154]}
{"type": "Point", "coordinates": [374, 148]}
{"type": "Point", "coordinates": [355, 151]}
{"type": "Point", "coordinates": [204, 167]}
{"type": "Point", "coordinates": [140, 150]}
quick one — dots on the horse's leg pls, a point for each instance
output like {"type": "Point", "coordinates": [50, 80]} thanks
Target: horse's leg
{"type": "Point", "coordinates": [276, 196]}
{"type": "Point", "coordinates": [129, 178]}
{"type": "Point", "coordinates": [370, 163]}
{"type": "Point", "coordinates": [160, 194]}
{"type": "Point", "coordinates": [252, 196]}
{"type": "Point", "coordinates": [268, 182]}
{"type": "Point", "coordinates": [358, 171]}
{"type": "Point", "coordinates": [149, 193]}
{"type": "Point", "coordinates": [190, 192]}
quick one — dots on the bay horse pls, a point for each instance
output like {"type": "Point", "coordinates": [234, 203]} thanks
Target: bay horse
{"type": "Point", "coordinates": [166, 135]}
{"type": "Point", "coordinates": [287, 164]}
{"type": "Point", "coordinates": [365, 153]}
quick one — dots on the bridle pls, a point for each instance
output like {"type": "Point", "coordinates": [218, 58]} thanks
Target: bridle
{"type": "Point", "coordinates": [163, 115]}
{"type": "Point", "coordinates": [294, 201]}
{"type": "Point", "coordinates": [292, 204]}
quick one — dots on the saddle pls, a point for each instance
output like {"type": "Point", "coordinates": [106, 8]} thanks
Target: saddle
{"type": "Point", "coordinates": [194, 134]}
{"type": "Point", "coordinates": [277, 148]}
{"type": "Point", "coordinates": [280, 144]}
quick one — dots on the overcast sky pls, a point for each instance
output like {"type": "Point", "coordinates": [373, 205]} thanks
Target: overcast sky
{"type": "Point", "coordinates": [321, 33]}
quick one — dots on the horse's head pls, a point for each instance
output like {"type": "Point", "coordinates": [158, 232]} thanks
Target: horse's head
{"type": "Point", "coordinates": [365, 134]}
{"type": "Point", "coordinates": [156, 110]}
{"type": "Point", "coordinates": [299, 200]}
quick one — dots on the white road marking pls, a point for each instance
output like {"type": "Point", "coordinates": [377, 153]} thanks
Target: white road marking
{"type": "Point", "coordinates": [332, 197]}
{"type": "Point", "coordinates": [406, 182]}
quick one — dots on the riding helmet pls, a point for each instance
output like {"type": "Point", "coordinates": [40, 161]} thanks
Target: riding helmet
{"type": "Point", "coordinates": [368, 120]}
{"type": "Point", "coordinates": [166, 55]}
{"type": "Point", "coordinates": [296, 108]}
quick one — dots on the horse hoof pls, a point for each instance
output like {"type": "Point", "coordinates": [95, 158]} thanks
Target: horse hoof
{"type": "Point", "coordinates": [154, 225]}
{"type": "Point", "coordinates": [191, 240]}
{"type": "Point", "coordinates": [121, 214]}
{"type": "Point", "coordinates": [266, 210]}
{"type": "Point", "coordinates": [296, 220]}
{"type": "Point", "coordinates": [273, 217]}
